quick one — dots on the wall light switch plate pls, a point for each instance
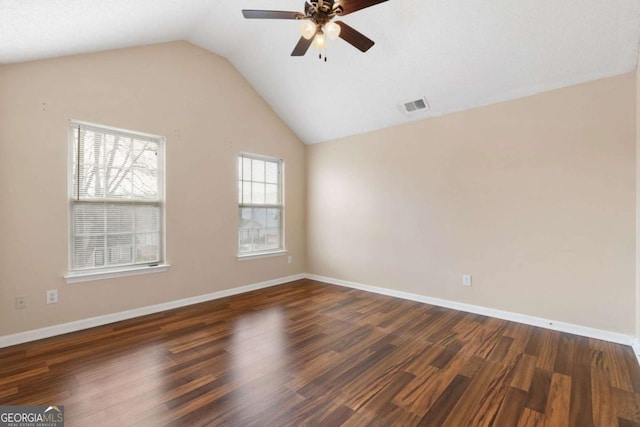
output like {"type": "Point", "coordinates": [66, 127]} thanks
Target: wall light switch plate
{"type": "Point", "coordinates": [466, 280]}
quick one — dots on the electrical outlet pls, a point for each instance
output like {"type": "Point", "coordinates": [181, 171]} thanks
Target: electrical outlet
{"type": "Point", "coordinates": [290, 259]}
{"type": "Point", "coordinates": [52, 296]}
{"type": "Point", "coordinates": [21, 302]}
{"type": "Point", "coordinates": [466, 280]}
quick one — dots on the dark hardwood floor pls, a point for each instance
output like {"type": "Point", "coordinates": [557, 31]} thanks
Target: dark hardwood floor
{"type": "Point", "coordinates": [307, 353]}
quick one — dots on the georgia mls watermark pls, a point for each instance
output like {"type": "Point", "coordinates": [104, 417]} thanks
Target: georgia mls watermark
{"type": "Point", "coordinates": [31, 416]}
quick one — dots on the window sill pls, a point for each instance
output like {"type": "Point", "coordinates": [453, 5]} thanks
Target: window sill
{"type": "Point", "coordinates": [262, 255]}
{"type": "Point", "coordinates": [87, 276]}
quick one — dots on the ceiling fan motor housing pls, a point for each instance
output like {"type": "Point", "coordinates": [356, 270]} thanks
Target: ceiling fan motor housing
{"type": "Point", "coordinates": [322, 11]}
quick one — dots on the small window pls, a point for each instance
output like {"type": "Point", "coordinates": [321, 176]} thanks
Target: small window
{"type": "Point", "coordinates": [116, 198]}
{"type": "Point", "coordinates": [260, 205]}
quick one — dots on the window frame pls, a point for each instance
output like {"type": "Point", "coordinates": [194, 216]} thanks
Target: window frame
{"type": "Point", "coordinates": [281, 250]}
{"type": "Point", "coordinates": [96, 273]}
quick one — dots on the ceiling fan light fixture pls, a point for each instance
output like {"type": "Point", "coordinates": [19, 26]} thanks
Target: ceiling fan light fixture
{"type": "Point", "coordinates": [320, 41]}
{"type": "Point", "coordinates": [308, 29]}
{"type": "Point", "coordinates": [332, 30]}
{"type": "Point", "coordinates": [320, 14]}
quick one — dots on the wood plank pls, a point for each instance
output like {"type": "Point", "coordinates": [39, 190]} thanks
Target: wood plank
{"type": "Point", "coordinates": [580, 408]}
{"type": "Point", "coordinates": [381, 401]}
{"type": "Point", "coordinates": [626, 404]}
{"type": "Point", "coordinates": [548, 351]}
{"type": "Point", "coordinates": [479, 405]}
{"type": "Point", "coordinates": [627, 423]}
{"type": "Point", "coordinates": [564, 358]}
{"type": "Point", "coordinates": [336, 418]}
{"type": "Point", "coordinates": [633, 369]}
{"type": "Point", "coordinates": [557, 410]}
{"type": "Point", "coordinates": [614, 358]}
{"type": "Point", "coordinates": [422, 393]}
{"type": "Point", "coordinates": [531, 418]}
{"type": "Point", "coordinates": [501, 350]}
{"type": "Point", "coordinates": [511, 408]}
{"type": "Point", "coordinates": [601, 396]}
{"type": "Point", "coordinates": [443, 407]}
{"type": "Point", "coordinates": [539, 391]}
{"type": "Point", "coordinates": [524, 371]}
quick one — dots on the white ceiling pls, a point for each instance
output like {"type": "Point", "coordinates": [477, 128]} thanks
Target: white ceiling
{"type": "Point", "coordinates": [458, 54]}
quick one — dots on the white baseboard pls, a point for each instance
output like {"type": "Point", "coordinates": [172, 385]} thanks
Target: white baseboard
{"type": "Point", "coordinates": [50, 331]}
{"type": "Point", "coordinates": [505, 315]}
{"type": "Point", "coordinates": [636, 348]}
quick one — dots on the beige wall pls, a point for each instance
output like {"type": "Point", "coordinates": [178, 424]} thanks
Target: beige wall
{"type": "Point", "coordinates": [208, 113]}
{"type": "Point", "coordinates": [535, 198]}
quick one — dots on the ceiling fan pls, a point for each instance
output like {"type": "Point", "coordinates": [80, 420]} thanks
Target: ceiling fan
{"type": "Point", "coordinates": [319, 24]}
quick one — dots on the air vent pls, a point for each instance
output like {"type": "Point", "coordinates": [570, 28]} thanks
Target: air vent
{"type": "Point", "coordinates": [413, 107]}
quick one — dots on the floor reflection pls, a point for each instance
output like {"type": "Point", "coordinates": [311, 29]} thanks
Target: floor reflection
{"type": "Point", "coordinates": [259, 361]}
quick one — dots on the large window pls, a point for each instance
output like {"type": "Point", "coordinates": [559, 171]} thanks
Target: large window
{"type": "Point", "coordinates": [260, 205]}
{"type": "Point", "coordinates": [116, 198]}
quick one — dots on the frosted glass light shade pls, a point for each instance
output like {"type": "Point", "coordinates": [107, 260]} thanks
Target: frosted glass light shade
{"type": "Point", "coordinates": [332, 30]}
{"type": "Point", "coordinates": [320, 42]}
{"type": "Point", "coordinates": [308, 29]}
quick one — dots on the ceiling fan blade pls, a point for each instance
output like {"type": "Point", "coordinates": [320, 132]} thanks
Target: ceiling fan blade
{"type": "Point", "coordinates": [355, 37]}
{"type": "Point", "coordinates": [270, 14]}
{"type": "Point", "coordinates": [350, 6]}
{"type": "Point", "coordinates": [302, 47]}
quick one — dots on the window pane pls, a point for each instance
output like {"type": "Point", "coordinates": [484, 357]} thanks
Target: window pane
{"type": "Point", "coordinates": [259, 236]}
{"type": "Point", "coordinates": [244, 220]}
{"type": "Point", "coordinates": [91, 181]}
{"type": "Point", "coordinates": [120, 249]}
{"type": "Point", "coordinates": [257, 195]}
{"type": "Point", "coordinates": [246, 169]}
{"type": "Point", "coordinates": [260, 217]}
{"type": "Point", "coordinates": [91, 148]}
{"type": "Point", "coordinates": [272, 238]}
{"type": "Point", "coordinates": [245, 244]}
{"type": "Point", "coordinates": [240, 168]}
{"type": "Point", "coordinates": [145, 183]}
{"type": "Point", "coordinates": [118, 160]}
{"type": "Point", "coordinates": [272, 172]}
{"type": "Point", "coordinates": [246, 192]}
{"type": "Point", "coordinates": [75, 179]}
{"type": "Point", "coordinates": [147, 247]}
{"type": "Point", "coordinates": [147, 218]}
{"type": "Point", "coordinates": [88, 219]}
{"type": "Point", "coordinates": [118, 183]}
{"type": "Point", "coordinates": [88, 251]}
{"type": "Point", "coordinates": [273, 218]}
{"type": "Point", "coordinates": [119, 218]}
{"type": "Point", "coordinates": [272, 194]}
{"type": "Point", "coordinates": [258, 170]}
{"type": "Point", "coordinates": [145, 154]}
{"type": "Point", "coordinates": [118, 151]}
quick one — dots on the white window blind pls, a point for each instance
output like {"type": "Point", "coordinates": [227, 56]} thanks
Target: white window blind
{"type": "Point", "coordinates": [116, 197]}
{"type": "Point", "coordinates": [260, 205]}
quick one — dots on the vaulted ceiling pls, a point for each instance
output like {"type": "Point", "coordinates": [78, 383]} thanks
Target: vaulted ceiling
{"type": "Point", "coordinates": [457, 54]}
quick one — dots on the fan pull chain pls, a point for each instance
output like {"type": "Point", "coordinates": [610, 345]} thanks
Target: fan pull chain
{"type": "Point", "coordinates": [325, 55]}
